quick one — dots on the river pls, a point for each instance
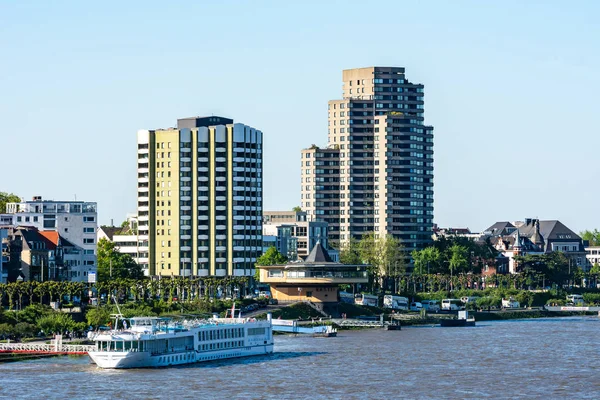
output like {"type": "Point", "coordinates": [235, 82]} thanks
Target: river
{"type": "Point", "coordinates": [543, 358]}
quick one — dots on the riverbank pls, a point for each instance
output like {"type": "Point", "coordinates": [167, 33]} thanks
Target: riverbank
{"type": "Point", "coordinates": [493, 316]}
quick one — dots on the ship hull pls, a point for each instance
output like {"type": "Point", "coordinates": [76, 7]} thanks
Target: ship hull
{"type": "Point", "coordinates": [123, 360]}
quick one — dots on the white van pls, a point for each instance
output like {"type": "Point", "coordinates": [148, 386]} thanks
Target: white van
{"type": "Point", "coordinates": [510, 303]}
{"type": "Point", "coordinates": [452, 305]}
{"type": "Point", "coordinates": [431, 305]}
{"type": "Point", "coordinates": [576, 299]}
{"type": "Point", "coordinates": [395, 302]}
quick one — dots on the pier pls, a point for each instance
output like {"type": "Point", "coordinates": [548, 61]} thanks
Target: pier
{"type": "Point", "coordinates": [291, 326]}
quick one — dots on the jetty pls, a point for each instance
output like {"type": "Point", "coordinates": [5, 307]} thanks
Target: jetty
{"type": "Point", "coordinates": [56, 347]}
{"type": "Point", "coordinates": [291, 326]}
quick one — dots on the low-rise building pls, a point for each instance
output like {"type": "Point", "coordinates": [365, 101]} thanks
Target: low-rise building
{"type": "Point", "coordinates": [34, 255]}
{"type": "Point", "coordinates": [75, 221]}
{"type": "Point", "coordinates": [126, 240]}
{"type": "Point", "coordinates": [592, 255]}
{"type": "Point", "coordinates": [316, 279]}
{"type": "Point", "coordinates": [534, 236]}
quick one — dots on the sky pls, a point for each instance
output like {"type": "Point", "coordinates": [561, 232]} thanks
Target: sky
{"type": "Point", "coordinates": [510, 88]}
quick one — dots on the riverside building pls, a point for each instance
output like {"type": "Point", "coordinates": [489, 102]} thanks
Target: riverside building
{"type": "Point", "coordinates": [200, 198]}
{"type": "Point", "coordinates": [376, 173]}
{"type": "Point", "coordinates": [75, 221]}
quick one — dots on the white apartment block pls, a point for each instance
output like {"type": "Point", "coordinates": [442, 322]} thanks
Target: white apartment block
{"type": "Point", "coordinates": [76, 221]}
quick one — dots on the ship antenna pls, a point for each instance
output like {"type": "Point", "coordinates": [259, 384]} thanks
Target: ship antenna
{"type": "Point", "coordinates": [119, 312]}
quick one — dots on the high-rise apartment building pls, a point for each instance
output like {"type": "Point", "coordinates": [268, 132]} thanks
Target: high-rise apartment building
{"type": "Point", "coordinates": [376, 174]}
{"type": "Point", "coordinates": [200, 198]}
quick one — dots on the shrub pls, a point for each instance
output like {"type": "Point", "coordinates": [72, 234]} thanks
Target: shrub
{"type": "Point", "coordinates": [34, 312]}
{"type": "Point", "coordinates": [23, 329]}
{"type": "Point", "coordinates": [557, 302]}
{"type": "Point", "coordinates": [56, 322]}
{"type": "Point", "coordinates": [97, 316]}
{"type": "Point", "coordinates": [6, 329]}
{"type": "Point", "coordinates": [591, 298]}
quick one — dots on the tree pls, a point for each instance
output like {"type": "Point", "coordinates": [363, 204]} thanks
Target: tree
{"type": "Point", "coordinates": [6, 197]}
{"type": "Point", "coordinates": [384, 256]}
{"type": "Point", "coordinates": [272, 257]}
{"type": "Point", "coordinates": [553, 266]}
{"type": "Point", "coordinates": [592, 236]}
{"type": "Point", "coordinates": [97, 317]}
{"type": "Point", "coordinates": [350, 253]}
{"type": "Point", "coordinates": [458, 258]}
{"type": "Point", "coordinates": [426, 260]}
{"type": "Point", "coordinates": [56, 322]}
{"type": "Point", "coordinates": [112, 264]}
{"type": "Point", "coordinates": [297, 209]}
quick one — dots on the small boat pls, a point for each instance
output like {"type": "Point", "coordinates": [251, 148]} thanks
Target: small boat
{"type": "Point", "coordinates": [463, 319]}
{"type": "Point", "coordinates": [325, 331]}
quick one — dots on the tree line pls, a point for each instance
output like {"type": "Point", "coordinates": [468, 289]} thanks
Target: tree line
{"type": "Point", "coordinates": [452, 263]}
{"type": "Point", "coordinates": [170, 289]}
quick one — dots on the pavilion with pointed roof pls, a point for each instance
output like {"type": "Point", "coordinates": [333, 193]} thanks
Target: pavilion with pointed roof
{"type": "Point", "coordinates": [315, 279]}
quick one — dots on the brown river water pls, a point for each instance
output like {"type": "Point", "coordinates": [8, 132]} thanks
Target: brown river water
{"type": "Point", "coordinates": [555, 358]}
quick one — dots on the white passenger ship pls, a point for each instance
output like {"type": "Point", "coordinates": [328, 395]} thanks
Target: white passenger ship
{"type": "Point", "coordinates": [158, 342]}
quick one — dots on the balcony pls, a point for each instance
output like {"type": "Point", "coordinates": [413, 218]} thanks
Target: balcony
{"type": "Point", "coordinates": [307, 274]}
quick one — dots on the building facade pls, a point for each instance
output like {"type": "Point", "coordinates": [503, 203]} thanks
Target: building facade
{"type": "Point", "coordinates": [200, 198]}
{"type": "Point", "coordinates": [75, 221]}
{"type": "Point", "coordinates": [126, 239]}
{"type": "Point", "coordinates": [534, 236]}
{"type": "Point", "coordinates": [35, 255]}
{"type": "Point", "coordinates": [3, 255]}
{"type": "Point", "coordinates": [295, 234]}
{"type": "Point", "coordinates": [376, 174]}
{"type": "Point", "coordinates": [316, 279]}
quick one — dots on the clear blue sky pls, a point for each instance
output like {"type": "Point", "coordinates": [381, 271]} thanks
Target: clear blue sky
{"type": "Point", "coordinates": [510, 86]}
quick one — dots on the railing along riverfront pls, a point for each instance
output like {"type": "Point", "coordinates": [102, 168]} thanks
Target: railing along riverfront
{"type": "Point", "coordinates": [56, 347]}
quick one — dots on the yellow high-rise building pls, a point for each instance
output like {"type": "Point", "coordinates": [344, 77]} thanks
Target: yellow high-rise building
{"type": "Point", "coordinates": [200, 198]}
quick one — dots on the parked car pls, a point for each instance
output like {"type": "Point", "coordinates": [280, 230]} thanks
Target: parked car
{"type": "Point", "coordinates": [510, 303]}
{"type": "Point", "coordinates": [416, 306]}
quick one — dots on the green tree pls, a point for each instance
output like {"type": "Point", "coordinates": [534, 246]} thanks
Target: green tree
{"type": "Point", "coordinates": [98, 316]}
{"type": "Point", "coordinates": [25, 329]}
{"type": "Point", "coordinates": [297, 209]}
{"type": "Point", "coordinates": [6, 197]}
{"type": "Point", "coordinates": [350, 252]}
{"type": "Point", "coordinates": [272, 257]}
{"type": "Point", "coordinates": [426, 260]}
{"type": "Point", "coordinates": [592, 236]}
{"type": "Point", "coordinates": [33, 313]}
{"type": "Point", "coordinates": [384, 254]}
{"type": "Point", "coordinates": [112, 264]}
{"type": "Point", "coordinates": [56, 322]}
